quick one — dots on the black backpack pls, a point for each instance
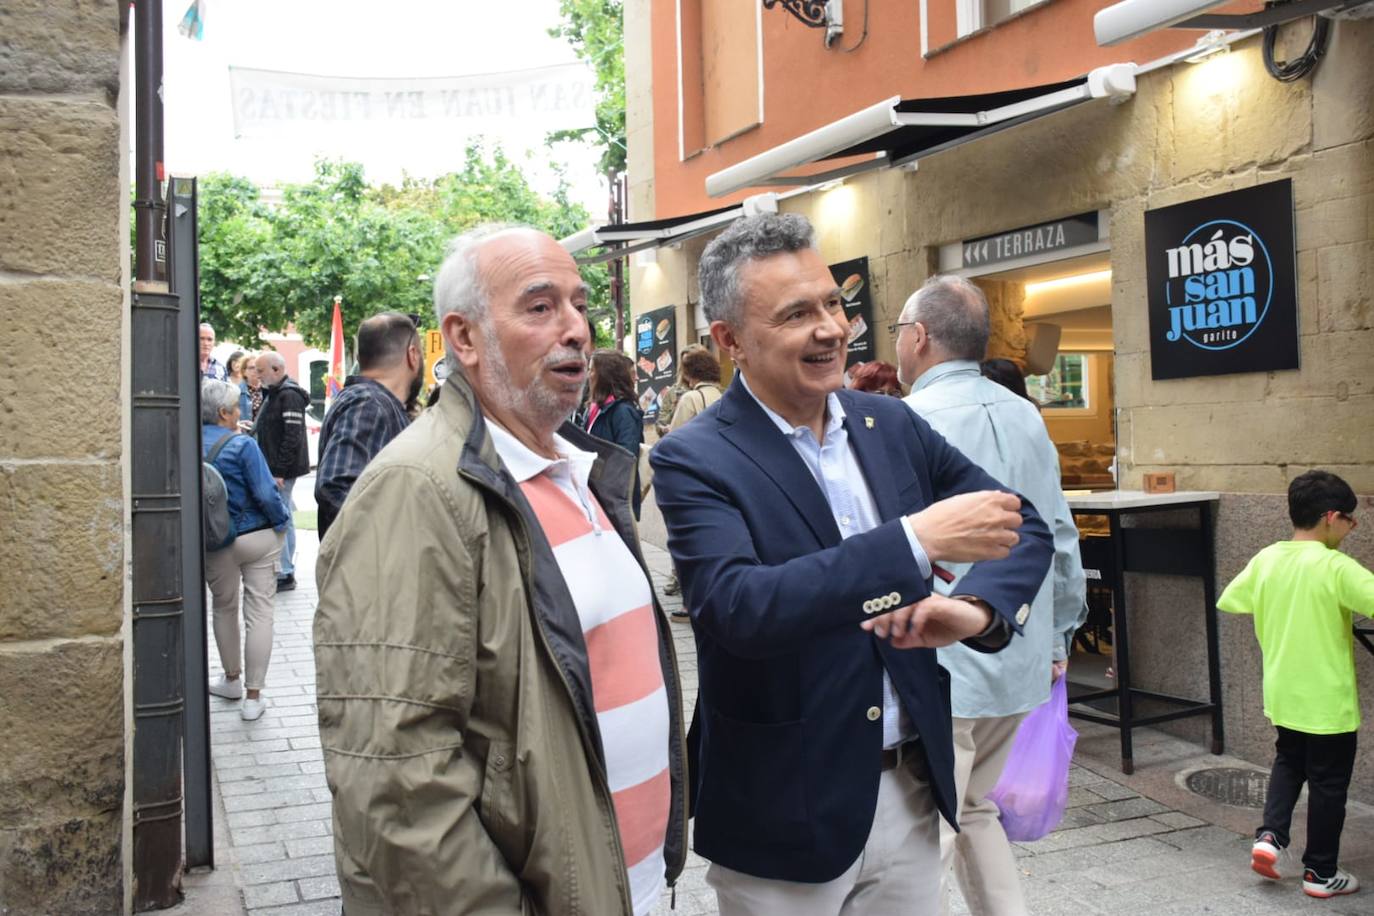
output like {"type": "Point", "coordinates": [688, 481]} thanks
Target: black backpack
{"type": "Point", "coordinates": [214, 501]}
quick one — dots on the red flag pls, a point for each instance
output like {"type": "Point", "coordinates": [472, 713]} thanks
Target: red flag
{"type": "Point", "coordinates": [334, 379]}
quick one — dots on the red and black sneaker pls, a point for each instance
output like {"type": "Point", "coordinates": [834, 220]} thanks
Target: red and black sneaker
{"type": "Point", "coordinates": [1342, 882]}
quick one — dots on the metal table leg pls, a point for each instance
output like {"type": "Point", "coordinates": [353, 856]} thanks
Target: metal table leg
{"type": "Point", "coordinates": [1121, 642]}
{"type": "Point", "coordinates": [1209, 611]}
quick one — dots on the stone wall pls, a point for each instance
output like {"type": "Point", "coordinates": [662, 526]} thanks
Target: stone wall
{"type": "Point", "coordinates": [63, 247]}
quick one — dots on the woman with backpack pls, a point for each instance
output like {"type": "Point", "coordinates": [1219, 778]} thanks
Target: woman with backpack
{"type": "Point", "coordinates": [243, 560]}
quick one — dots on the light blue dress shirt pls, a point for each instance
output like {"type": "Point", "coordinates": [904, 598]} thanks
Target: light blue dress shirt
{"type": "Point", "coordinates": [836, 469]}
{"type": "Point", "coordinates": [1004, 434]}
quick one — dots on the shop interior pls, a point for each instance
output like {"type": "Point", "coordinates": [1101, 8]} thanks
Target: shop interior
{"type": "Point", "coordinates": [1067, 315]}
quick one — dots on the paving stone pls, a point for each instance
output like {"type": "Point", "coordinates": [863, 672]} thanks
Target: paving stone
{"type": "Point", "coordinates": [324, 886]}
{"type": "Point", "coordinates": [253, 772]}
{"type": "Point", "coordinates": [1100, 833]}
{"type": "Point", "coordinates": [1125, 809]}
{"type": "Point", "coordinates": [262, 895]}
{"type": "Point", "coordinates": [269, 800]}
{"type": "Point", "coordinates": [259, 852]}
{"type": "Point", "coordinates": [310, 846]}
{"type": "Point", "coordinates": [287, 869]}
{"type": "Point", "coordinates": [250, 818]}
{"type": "Point", "coordinates": [1178, 820]}
{"type": "Point", "coordinates": [287, 757]}
{"type": "Point", "coordinates": [1078, 776]}
{"type": "Point", "coordinates": [1111, 791]}
{"type": "Point", "coordinates": [321, 811]}
{"type": "Point", "coordinates": [1208, 837]}
{"type": "Point", "coordinates": [268, 833]}
{"type": "Point", "coordinates": [313, 908]}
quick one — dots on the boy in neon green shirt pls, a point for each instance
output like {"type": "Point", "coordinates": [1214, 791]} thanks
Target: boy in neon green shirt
{"type": "Point", "coordinates": [1302, 593]}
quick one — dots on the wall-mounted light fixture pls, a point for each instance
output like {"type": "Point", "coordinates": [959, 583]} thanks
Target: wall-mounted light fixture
{"type": "Point", "coordinates": [1214, 42]}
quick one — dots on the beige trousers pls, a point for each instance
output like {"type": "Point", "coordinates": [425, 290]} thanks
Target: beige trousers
{"type": "Point", "coordinates": [249, 560]}
{"type": "Point", "coordinates": [897, 872]}
{"type": "Point", "coordinates": [980, 853]}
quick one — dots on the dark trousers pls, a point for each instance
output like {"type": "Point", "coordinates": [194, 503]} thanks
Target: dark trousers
{"type": "Point", "coordinates": [1324, 762]}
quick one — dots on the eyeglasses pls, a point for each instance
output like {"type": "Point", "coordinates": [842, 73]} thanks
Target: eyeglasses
{"type": "Point", "coordinates": [1349, 518]}
{"type": "Point", "coordinates": [896, 326]}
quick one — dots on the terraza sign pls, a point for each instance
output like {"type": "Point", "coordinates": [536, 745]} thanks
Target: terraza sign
{"type": "Point", "coordinates": [1042, 238]}
{"type": "Point", "coordinates": [1222, 294]}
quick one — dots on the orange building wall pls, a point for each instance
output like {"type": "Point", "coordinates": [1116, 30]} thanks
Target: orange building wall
{"type": "Point", "coordinates": [807, 85]}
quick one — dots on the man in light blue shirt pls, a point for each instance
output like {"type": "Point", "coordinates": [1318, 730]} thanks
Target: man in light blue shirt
{"type": "Point", "coordinates": [942, 334]}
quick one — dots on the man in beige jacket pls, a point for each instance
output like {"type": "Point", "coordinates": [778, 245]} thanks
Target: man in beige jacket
{"type": "Point", "coordinates": [499, 701]}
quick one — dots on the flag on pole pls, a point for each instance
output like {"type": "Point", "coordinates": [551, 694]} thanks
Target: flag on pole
{"type": "Point", "coordinates": [192, 24]}
{"type": "Point", "coordinates": [334, 379]}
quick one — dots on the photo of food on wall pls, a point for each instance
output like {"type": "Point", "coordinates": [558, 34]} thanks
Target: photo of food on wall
{"type": "Point", "coordinates": [851, 287]}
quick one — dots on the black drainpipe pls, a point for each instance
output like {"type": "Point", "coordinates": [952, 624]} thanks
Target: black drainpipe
{"type": "Point", "coordinates": [158, 658]}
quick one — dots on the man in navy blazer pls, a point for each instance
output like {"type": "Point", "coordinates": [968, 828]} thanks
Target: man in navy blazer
{"type": "Point", "coordinates": [805, 522]}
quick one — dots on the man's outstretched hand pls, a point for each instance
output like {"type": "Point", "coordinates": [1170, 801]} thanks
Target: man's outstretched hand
{"type": "Point", "coordinates": [969, 527]}
{"type": "Point", "coordinates": [931, 622]}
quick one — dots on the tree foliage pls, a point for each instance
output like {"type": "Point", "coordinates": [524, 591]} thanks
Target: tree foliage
{"type": "Point", "coordinates": [263, 265]}
{"type": "Point", "coordinates": [595, 29]}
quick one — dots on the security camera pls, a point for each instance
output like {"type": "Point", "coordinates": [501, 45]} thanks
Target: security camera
{"type": "Point", "coordinates": [1133, 18]}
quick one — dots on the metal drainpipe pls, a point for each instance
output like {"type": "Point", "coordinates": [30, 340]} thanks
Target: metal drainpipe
{"type": "Point", "coordinates": [156, 513]}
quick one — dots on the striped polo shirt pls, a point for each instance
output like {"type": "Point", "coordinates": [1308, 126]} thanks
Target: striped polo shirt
{"type": "Point", "coordinates": [615, 605]}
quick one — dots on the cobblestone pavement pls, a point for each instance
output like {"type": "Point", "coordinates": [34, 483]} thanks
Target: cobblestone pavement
{"type": "Point", "coordinates": [1117, 850]}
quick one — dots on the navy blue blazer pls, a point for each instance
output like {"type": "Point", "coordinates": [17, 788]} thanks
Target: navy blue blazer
{"type": "Point", "coordinates": [786, 767]}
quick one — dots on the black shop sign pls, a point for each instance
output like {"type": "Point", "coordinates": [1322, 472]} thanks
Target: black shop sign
{"type": "Point", "coordinates": [856, 293]}
{"type": "Point", "coordinates": [1222, 291]}
{"type": "Point", "coordinates": [655, 356]}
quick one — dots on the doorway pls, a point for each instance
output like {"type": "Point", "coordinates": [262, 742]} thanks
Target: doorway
{"type": "Point", "coordinates": [1063, 308]}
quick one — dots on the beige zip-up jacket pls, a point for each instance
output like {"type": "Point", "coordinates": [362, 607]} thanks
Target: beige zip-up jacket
{"type": "Point", "coordinates": [460, 738]}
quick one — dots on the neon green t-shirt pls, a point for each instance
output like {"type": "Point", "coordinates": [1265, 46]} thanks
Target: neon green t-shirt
{"type": "Point", "coordinates": [1302, 595]}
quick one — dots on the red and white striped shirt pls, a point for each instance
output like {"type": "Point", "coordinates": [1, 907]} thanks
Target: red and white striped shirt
{"type": "Point", "coordinates": [615, 605]}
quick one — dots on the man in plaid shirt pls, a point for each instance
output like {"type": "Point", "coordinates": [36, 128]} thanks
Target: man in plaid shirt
{"type": "Point", "coordinates": [371, 409]}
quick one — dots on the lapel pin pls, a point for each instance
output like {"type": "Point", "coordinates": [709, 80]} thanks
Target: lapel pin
{"type": "Point", "coordinates": [868, 421]}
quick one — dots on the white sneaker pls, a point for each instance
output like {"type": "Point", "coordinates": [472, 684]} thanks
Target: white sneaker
{"type": "Point", "coordinates": [253, 709]}
{"type": "Point", "coordinates": [1264, 856]}
{"type": "Point", "coordinates": [230, 690]}
{"type": "Point", "coordinates": [1342, 882]}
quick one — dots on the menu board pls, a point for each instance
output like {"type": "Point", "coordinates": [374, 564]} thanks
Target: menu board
{"type": "Point", "coordinates": [655, 356]}
{"type": "Point", "coordinates": [855, 290]}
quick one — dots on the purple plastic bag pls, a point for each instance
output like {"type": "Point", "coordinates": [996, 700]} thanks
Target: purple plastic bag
{"type": "Point", "coordinates": [1034, 788]}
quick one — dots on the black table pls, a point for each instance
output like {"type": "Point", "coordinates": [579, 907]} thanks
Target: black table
{"type": "Point", "coordinates": [1167, 551]}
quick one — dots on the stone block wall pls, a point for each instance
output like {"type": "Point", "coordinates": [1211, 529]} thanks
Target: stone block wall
{"type": "Point", "coordinates": [63, 247]}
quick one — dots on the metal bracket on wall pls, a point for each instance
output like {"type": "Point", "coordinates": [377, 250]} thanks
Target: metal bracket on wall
{"type": "Point", "coordinates": [808, 12]}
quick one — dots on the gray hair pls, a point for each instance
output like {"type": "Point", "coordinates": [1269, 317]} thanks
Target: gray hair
{"type": "Point", "coordinates": [748, 239]}
{"type": "Point", "coordinates": [457, 286]}
{"type": "Point", "coordinates": [216, 396]}
{"type": "Point", "coordinates": [955, 314]}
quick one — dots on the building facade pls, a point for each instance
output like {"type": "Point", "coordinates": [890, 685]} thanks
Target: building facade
{"type": "Point", "coordinates": [1049, 217]}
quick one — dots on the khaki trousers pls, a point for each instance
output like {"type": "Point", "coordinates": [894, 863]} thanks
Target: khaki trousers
{"type": "Point", "coordinates": [897, 872]}
{"type": "Point", "coordinates": [980, 853]}
{"type": "Point", "coordinates": [249, 560]}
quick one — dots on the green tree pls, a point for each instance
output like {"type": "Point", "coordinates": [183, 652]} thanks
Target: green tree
{"type": "Point", "coordinates": [264, 266]}
{"type": "Point", "coordinates": [595, 30]}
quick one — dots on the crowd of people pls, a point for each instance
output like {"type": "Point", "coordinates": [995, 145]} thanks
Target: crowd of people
{"type": "Point", "coordinates": [880, 587]}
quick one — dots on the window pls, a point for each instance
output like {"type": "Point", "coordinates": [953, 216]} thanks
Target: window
{"type": "Point", "coordinates": [973, 15]}
{"type": "Point", "coordinates": [1066, 386]}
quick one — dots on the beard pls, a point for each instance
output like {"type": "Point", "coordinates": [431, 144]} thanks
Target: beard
{"type": "Point", "coordinates": [536, 403]}
{"type": "Point", "coordinates": [413, 396]}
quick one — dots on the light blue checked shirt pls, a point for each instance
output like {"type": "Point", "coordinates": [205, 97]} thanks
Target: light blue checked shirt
{"type": "Point", "coordinates": [841, 479]}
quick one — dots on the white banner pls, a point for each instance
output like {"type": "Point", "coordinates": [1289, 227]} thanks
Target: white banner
{"type": "Point", "coordinates": [270, 102]}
